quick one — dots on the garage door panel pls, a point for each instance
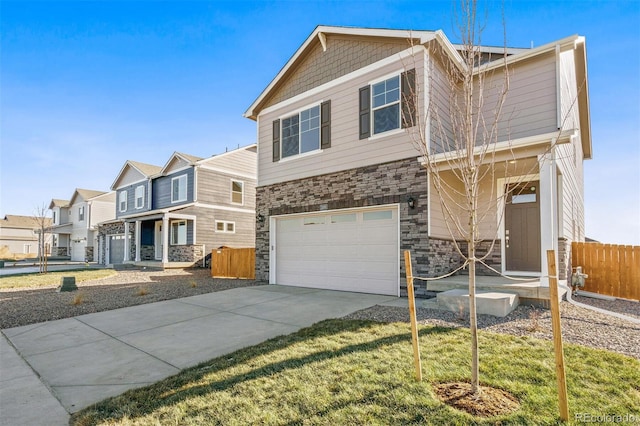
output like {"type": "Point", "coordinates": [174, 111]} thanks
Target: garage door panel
{"type": "Point", "coordinates": [350, 251]}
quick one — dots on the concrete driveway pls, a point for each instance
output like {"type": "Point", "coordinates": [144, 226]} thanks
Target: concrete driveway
{"type": "Point", "coordinates": [85, 359]}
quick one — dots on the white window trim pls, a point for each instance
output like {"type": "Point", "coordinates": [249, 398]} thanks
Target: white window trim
{"type": "Point", "coordinates": [397, 74]}
{"type": "Point", "coordinates": [241, 203]}
{"type": "Point", "coordinates": [139, 198]}
{"type": "Point", "coordinates": [297, 112]}
{"type": "Point", "coordinates": [81, 213]}
{"type": "Point", "coordinates": [225, 222]}
{"type": "Point", "coordinates": [186, 189]}
{"type": "Point", "coordinates": [120, 201]}
{"type": "Point", "coordinates": [186, 230]}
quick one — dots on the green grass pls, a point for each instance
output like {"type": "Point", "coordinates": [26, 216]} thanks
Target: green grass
{"type": "Point", "coordinates": [52, 278]}
{"type": "Point", "coordinates": [353, 372]}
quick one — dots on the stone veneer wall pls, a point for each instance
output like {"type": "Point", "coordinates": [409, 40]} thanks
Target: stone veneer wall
{"type": "Point", "coordinates": [147, 252]}
{"type": "Point", "coordinates": [187, 253]}
{"type": "Point", "coordinates": [389, 183]}
{"type": "Point", "coordinates": [88, 254]}
{"type": "Point", "coordinates": [564, 259]}
{"type": "Point", "coordinates": [59, 251]}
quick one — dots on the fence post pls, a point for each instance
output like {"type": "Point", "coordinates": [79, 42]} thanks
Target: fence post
{"type": "Point", "coordinates": [412, 316]}
{"type": "Point", "coordinates": [557, 336]}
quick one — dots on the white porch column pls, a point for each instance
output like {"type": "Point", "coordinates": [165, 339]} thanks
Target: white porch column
{"type": "Point", "coordinates": [165, 239]}
{"type": "Point", "coordinates": [127, 243]}
{"type": "Point", "coordinates": [548, 211]}
{"type": "Point", "coordinates": [138, 227]}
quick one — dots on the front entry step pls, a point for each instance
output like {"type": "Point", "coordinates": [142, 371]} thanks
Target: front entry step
{"type": "Point", "coordinates": [487, 302]}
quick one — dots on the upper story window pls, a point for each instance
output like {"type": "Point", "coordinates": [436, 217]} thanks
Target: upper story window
{"type": "Point", "coordinates": [237, 192]}
{"type": "Point", "coordinates": [387, 105]}
{"type": "Point", "coordinates": [301, 132]}
{"type": "Point", "coordinates": [54, 218]}
{"type": "Point", "coordinates": [139, 196]}
{"type": "Point", "coordinates": [307, 131]}
{"type": "Point", "coordinates": [122, 201]}
{"type": "Point", "coordinates": [81, 213]}
{"type": "Point", "coordinates": [179, 189]}
{"type": "Point", "coordinates": [385, 102]}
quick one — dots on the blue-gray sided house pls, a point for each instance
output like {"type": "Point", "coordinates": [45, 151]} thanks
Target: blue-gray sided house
{"type": "Point", "coordinates": [173, 216]}
{"type": "Point", "coordinates": [342, 188]}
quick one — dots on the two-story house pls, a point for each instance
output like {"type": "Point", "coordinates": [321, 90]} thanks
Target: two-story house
{"type": "Point", "coordinates": [173, 216]}
{"type": "Point", "coordinates": [342, 188]}
{"type": "Point", "coordinates": [19, 235]}
{"type": "Point", "coordinates": [75, 223]}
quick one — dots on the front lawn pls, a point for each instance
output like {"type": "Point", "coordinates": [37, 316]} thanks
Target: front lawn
{"type": "Point", "coordinates": [52, 279]}
{"type": "Point", "coordinates": [341, 372]}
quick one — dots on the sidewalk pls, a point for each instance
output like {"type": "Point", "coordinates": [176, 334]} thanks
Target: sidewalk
{"type": "Point", "coordinates": [85, 359]}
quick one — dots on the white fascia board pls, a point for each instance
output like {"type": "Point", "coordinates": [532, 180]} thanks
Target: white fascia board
{"type": "Point", "coordinates": [546, 138]}
{"type": "Point", "coordinates": [407, 53]}
{"type": "Point", "coordinates": [157, 211]}
{"type": "Point", "coordinates": [497, 49]}
{"type": "Point", "coordinates": [227, 172]}
{"type": "Point", "coordinates": [565, 44]}
{"type": "Point", "coordinates": [225, 208]}
{"type": "Point", "coordinates": [424, 37]}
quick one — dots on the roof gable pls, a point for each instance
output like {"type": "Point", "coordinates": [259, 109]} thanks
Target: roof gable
{"type": "Point", "coordinates": [81, 195]}
{"type": "Point", "coordinates": [58, 203]}
{"type": "Point", "coordinates": [134, 171]}
{"type": "Point", "coordinates": [179, 161]}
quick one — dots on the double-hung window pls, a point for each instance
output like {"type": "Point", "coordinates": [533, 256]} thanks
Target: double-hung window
{"type": "Point", "coordinates": [385, 102]}
{"type": "Point", "coordinates": [139, 196]}
{"type": "Point", "coordinates": [237, 192]}
{"type": "Point", "coordinates": [122, 201]}
{"type": "Point", "coordinates": [388, 104]}
{"type": "Point", "coordinates": [178, 232]}
{"type": "Point", "coordinates": [301, 132]}
{"type": "Point", "coordinates": [179, 189]}
{"type": "Point", "coordinates": [81, 213]}
{"type": "Point", "coordinates": [306, 131]}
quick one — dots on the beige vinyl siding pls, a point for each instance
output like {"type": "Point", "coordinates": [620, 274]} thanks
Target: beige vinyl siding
{"type": "Point", "coordinates": [244, 236]}
{"type": "Point", "coordinates": [530, 105]}
{"type": "Point", "coordinates": [101, 211]}
{"type": "Point", "coordinates": [347, 151]}
{"type": "Point", "coordinates": [487, 209]}
{"type": "Point", "coordinates": [242, 161]}
{"type": "Point", "coordinates": [569, 157]}
{"type": "Point", "coordinates": [215, 188]}
{"type": "Point", "coordinates": [130, 176]}
{"type": "Point", "coordinates": [439, 98]}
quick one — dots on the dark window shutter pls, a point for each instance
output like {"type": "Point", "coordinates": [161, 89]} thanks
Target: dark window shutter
{"type": "Point", "coordinates": [276, 140]}
{"type": "Point", "coordinates": [409, 98]}
{"type": "Point", "coordinates": [325, 125]}
{"type": "Point", "coordinates": [365, 112]}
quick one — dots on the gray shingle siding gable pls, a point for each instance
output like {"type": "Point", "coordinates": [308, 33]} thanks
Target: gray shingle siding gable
{"type": "Point", "coordinates": [131, 199]}
{"type": "Point", "coordinates": [162, 189]}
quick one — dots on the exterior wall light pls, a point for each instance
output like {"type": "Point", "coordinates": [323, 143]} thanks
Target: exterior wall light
{"type": "Point", "coordinates": [260, 218]}
{"type": "Point", "coordinates": [411, 202]}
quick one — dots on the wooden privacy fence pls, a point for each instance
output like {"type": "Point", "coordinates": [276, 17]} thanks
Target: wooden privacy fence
{"type": "Point", "coordinates": [233, 263]}
{"type": "Point", "coordinates": [613, 270]}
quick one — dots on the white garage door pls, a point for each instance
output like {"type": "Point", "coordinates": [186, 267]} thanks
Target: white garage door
{"type": "Point", "coordinates": [340, 250]}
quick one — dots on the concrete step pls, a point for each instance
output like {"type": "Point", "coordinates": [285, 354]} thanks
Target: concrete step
{"type": "Point", "coordinates": [494, 303]}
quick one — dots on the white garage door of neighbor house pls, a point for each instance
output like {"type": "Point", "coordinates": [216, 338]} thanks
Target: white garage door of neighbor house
{"type": "Point", "coordinates": [349, 251]}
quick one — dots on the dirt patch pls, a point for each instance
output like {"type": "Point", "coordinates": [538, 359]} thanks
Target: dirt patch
{"type": "Point", "coordinates": [488, 402]}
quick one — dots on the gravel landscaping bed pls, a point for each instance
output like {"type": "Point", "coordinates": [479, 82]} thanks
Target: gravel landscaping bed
{"type": "Point", "coordinates": [135, 287]}
{"type": "Point", "coordinates": [128, 288]}
{"type": "Point", "coordinates": [579, 325]}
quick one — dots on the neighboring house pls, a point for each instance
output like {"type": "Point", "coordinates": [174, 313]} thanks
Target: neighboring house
{"type": "Point", "coordinates": [341, 184]}
{"type": "Point", "coordinates": [75, 223]}
{"type": "Point", "coordinates": [173, 216]}
{"type": "Point", "coordinates": [19, 234]}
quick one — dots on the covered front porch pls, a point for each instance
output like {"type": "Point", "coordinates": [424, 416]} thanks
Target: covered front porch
{"type": "Point", "coordinates": [162, 240]}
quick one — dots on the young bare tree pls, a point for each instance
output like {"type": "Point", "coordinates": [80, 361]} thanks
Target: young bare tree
{"type": "Point", "coordinates": [458, 137]}
{"type": "Point", "coordinates": [42, 224]}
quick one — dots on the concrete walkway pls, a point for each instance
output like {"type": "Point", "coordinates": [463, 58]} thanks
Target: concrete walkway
{"type": "Point", "coordinates": [86, 359]}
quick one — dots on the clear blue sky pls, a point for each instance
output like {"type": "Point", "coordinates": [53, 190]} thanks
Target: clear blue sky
{"type": "Point", "coordinates": [86, 86]}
